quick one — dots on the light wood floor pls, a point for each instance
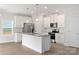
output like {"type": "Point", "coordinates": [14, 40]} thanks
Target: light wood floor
{"type": "Point", "coordinates": [18, 49]}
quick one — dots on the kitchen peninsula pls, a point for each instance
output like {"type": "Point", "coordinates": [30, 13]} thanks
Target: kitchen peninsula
{"type": "Point", "coordinates": [38, 42]}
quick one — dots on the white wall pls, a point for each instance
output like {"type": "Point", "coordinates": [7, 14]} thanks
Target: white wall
{"type": "Point", "coordinates": [72, 27]}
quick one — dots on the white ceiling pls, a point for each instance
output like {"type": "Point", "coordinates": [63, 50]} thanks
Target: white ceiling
{"type": "Point", "coordinates": [35, 10]}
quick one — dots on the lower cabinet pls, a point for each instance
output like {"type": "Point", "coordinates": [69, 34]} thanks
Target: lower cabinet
{"type": "Point", "coordinates": [18, 37]}
{"type": "Point", "coordinates": [40, 44]}
{"type": "Point", "coordinates": [60, 38]}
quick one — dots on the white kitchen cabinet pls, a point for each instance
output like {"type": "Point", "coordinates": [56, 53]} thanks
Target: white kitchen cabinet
{"type": "Point", "coordinates": [20, 20]}
{"type": "Point", "coordinates": [59, 18]}
{"type": "Point", "coordinates": [60, 38]}
{"type": "Point", "coordinates": [18, 37]}
{"type": "Point", "coordinates": [38, 42]}
{"type": "Point", "coordinates": [54, 18]}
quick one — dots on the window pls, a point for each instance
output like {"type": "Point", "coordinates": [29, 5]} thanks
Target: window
{"type": "Point", "coordinates": [7, 27]}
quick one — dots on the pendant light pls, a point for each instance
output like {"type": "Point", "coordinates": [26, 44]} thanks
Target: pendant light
{"type": "Point", "coordinates": [27, 21]}
{"type": "Point", "coordinates": [37, 12]}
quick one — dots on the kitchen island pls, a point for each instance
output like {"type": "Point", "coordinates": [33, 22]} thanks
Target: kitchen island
{"type": "Point", "coordinates": [38, 42]}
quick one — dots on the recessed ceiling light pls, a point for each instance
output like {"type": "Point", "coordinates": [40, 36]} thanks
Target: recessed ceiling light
{"type": "Point", "coordinates": [45, 7]}
{"type": "Point", "coordinates": [36, 19]}
{"type": "Point", "coordinates": [27, 21]}
{"type": "Point", "coordinates": [56, 10]}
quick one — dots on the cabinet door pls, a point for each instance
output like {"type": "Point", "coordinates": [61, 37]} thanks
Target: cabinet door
{"type": "Point", "coordinates": [60, 38]}
{"type": "Point", "coordinates": [57, 38]}
{"type": "Point", "coordinates": [18, 37]}
{"type": "Point", "coordinates": [54, 18]}
{"type": "Point", "coordinates": [60, 20]}
{"type": "Point", "coordinates": [20, 20]}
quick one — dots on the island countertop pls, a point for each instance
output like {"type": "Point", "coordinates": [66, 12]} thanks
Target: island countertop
{"type": "Point", "coordinates": [37, 34]}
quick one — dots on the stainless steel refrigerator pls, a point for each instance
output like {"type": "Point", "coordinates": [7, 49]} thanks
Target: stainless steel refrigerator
{"type": "Point", "coordinates": [28, 28]}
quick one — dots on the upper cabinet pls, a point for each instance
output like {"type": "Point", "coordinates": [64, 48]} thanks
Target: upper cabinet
{"type": "Point", "coordinates": [59, 18]}
{"type": "Point", "coordinates": [20, 20]}
{"type": "Point", "coordinates": [53, 18]}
